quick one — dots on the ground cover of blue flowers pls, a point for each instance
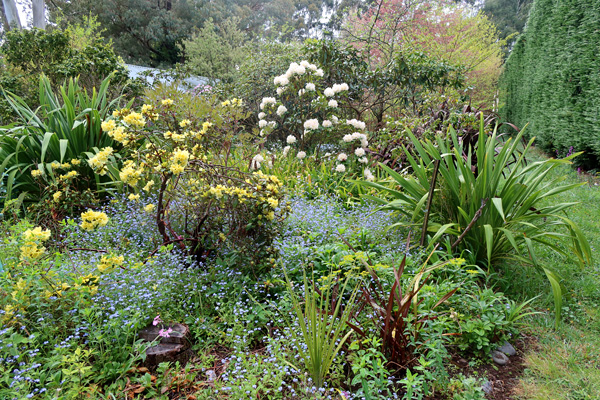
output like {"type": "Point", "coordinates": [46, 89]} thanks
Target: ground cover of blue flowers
{"type": "Point", "coordinates": [70, 322]}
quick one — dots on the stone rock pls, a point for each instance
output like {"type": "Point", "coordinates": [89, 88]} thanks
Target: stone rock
{"type": "Point", "coordinates": [499, 358]}
{"type": "Point", "coordinates": [507, 349]}
{"type": "Point", "coordinates": [487, 387]}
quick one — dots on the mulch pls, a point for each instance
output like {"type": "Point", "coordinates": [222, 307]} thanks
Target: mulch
{"type": "Point", "coordinates": [503, 378]}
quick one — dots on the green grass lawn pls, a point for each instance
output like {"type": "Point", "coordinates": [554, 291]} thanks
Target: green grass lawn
{"type": "Point", "coordinates": [565, 364]}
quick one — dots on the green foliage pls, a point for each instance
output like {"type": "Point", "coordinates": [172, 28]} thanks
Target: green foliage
{"type": "Point", "coordinates": [368, 366]}
{"type": "Point", "coordinates": [489, 198]}
{"type": "Point", "coordinates": [54, 139]}
{"type": "Point", "coordinates": [322, 322]}
{"type": "Point", "coordinates": [216, 51]}
{"type": "Point", "coordinates": [375, 91]}
{"type": "Point", "coordinates": [550, 80]}
{"type": "Point", "coordinates": [31, 53]}
{"type": "Point", "coordinates": [262, 62]}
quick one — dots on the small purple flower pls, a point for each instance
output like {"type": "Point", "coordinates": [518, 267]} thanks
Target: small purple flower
{"type": "Point", "coordinates": [157, 320]}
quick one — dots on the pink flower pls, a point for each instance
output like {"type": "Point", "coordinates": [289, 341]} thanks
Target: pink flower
{"type": "Point", "coordinates": [165, 332]}
{"type": "Point", "coordinates": [157, 320]}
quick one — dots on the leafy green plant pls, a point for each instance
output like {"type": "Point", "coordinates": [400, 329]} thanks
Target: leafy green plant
{"type": "Point", "coordinates": [369, 369]}
{"type": "Point", "coordinates": [488, 200]}
{"type": "Point", "coordinates": [322, 322]}
{"type": "Point", "coordinates": [65, 127]}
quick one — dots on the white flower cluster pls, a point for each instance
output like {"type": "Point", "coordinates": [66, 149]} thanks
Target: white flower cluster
{"type": "Point", "coordinates": [357, 136]}
{"type": "Point", "coordinates": [368, 175]}
{"type": "Point", "coordinates": [281, 110]}
{"type": "Point", "coordinates": [340, 168]}
{"type": "Point", "coordinates": [297, 69]}
{"type": "Point", "coordinates": [256, 160]}
{"type": "Point", "coordinates": [335, 89]}
{"type": "Point", "coordinates": [291, 139]}
{"type": "Point", "coordinates": [356, 123]}
{"type": "Point", "coordinates": [311, 124]}
{"type": "Point", "coordinates": [267, 100]}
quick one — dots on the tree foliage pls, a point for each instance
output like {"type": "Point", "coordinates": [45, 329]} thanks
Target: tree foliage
{"type": "Point", "coordinates": [551, 79]}
{"type": "Point", "coordinates": [150, 31]}
{"type": "Point", "coordinates": [216, 51]}
{"type": "Point", "coordinates": [441, 29]}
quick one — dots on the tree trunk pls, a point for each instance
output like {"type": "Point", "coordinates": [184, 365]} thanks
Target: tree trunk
{"type": "Point", "coordinates": [39, 14]}
{"type": "Point", "coordinates": [12, 15]}
{"type": "Point", "coordinates": [3, 19]}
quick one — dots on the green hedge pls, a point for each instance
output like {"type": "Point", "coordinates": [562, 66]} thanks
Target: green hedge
{"type": "Point", "coordinates": [552, 79]}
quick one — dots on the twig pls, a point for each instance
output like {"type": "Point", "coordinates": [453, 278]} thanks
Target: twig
{"type": "Point", "coordinates": [436, 167]}
{"type": "Point", "coordinates": [84, 249]}
{"type": "Point", "coordinates": [468, 228]}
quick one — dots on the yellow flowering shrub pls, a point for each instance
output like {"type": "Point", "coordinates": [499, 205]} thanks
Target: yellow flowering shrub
{"type": "Point", "coordinates": [185, 149]}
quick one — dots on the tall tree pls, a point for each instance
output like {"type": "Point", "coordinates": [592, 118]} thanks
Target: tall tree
{"type": "Point", "coordinates": [509, 16]}
{"type": "Point", "coordinates": [39, 13]}
{"type": "Point", "coordinates": [446, 31]}
{"type": "Point", "coordinates": [11, 14]}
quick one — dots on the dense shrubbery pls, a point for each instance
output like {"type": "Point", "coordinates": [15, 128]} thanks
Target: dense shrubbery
{"type": "Point", "coordinates": [251, 222]}
{"type": "Point", "coordinates": [59, 55]}
{"type": "Point", "coordinates": [551, 79]}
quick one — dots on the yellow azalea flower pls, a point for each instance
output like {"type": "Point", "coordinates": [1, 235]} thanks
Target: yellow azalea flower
{"type": "Point", "coordinates": [98, 162]}
{"type": "Point", "coordinates": [149, 208]}
{"type": "Point", "coordinates": [135, 119]}
{"type": "Point", "coordinates": [177, 168]}
{"type": "Point", "coordinates": [120, 135]}
{"type": "Point", "coordinates": [130, 174]}
{"type": "Point", "coordinates": [167, 102]}
{"type": "Point", "coordinates": [55, 164]}
{"type": "Point", "coordinates": [36, 234]}
{"type": "Point", "coordinates": [36, 172]}
{"type": "Point", "coordinates": [185, 122]}
{"type": "Point", "coordinates": [109, 125]}
{"type": "Point", "coordinates": [31, 251]}
{"type": "Point", "coordinates": [147, 108]}
{"type": "Point", "coordinates": [134, 197]}
{"type": "Point", "coordinates": [75, 161]}
{"type": "Point", "coordinates": [92, 219]}
{"type": "Point", "coordinates": [148, 186]}
{"type": "Point", "coordinates": [56, 196]}
{"type": "Point", "coordinates": [109, 263]}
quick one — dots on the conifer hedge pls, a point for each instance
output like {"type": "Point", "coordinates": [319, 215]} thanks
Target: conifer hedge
{"type": "Point", "coordinates": [552, 79]}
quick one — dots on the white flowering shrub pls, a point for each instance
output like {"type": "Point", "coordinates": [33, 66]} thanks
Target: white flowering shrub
{"type": "Point", "coordinates": [303, 118]}
{"type": "Point", "coordinates": [183, 152]}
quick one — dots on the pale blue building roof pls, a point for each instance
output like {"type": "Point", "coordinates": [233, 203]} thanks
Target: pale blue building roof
{"type": "Point", "coordinates": [149, 75]}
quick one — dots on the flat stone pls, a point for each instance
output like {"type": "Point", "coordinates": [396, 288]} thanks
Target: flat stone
{"type": "Point", "coordinates": [507, 349]}
{"type": "Point", "coordinates": [499, 358]}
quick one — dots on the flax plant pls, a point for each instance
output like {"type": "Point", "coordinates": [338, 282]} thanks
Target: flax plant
{"type": "Point", "coordinates": [322, 324]}
{"type": "Point", "coordinates": [488, 201]}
